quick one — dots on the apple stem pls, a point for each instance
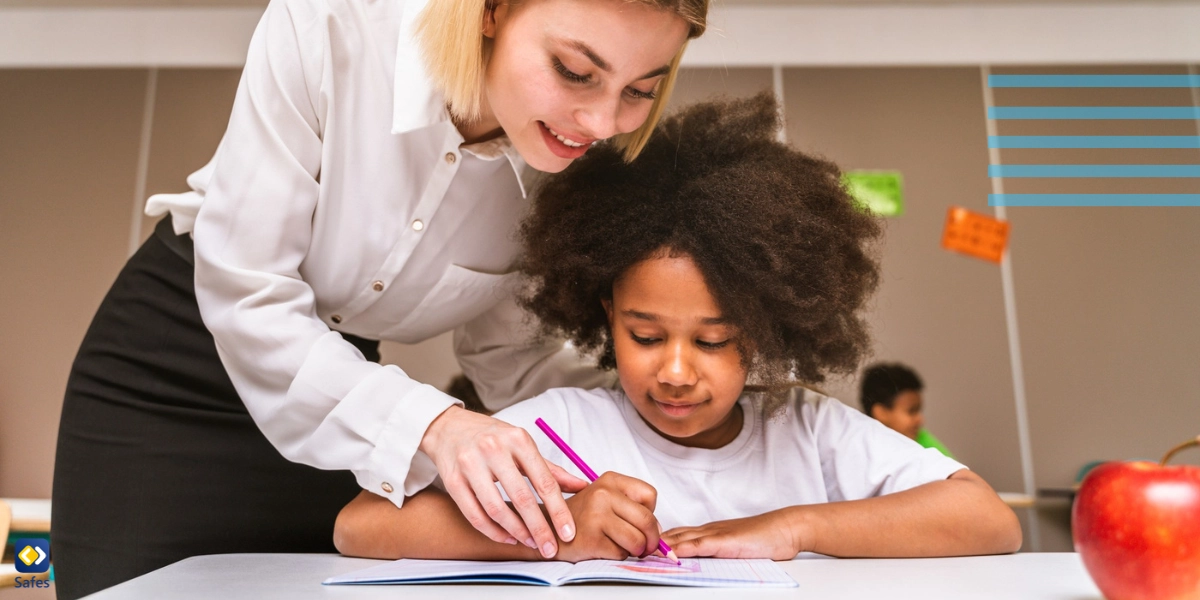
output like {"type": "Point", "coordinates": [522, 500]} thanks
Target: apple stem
{"type": "Point", "coordinates": [1173, 451]}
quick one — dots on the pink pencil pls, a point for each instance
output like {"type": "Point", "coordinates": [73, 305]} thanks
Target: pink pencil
{"type": "Point", "coordinates": [591, 475]}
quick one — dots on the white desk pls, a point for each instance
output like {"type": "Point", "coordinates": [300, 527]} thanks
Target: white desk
{"type": "Point", "coordinates": [1032, 576]}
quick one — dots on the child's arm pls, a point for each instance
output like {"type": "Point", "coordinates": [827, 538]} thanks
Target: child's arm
{"type": "Point", "coordinates": [615, 517]}
{"type": "Point", "coordinates": [958, 516]}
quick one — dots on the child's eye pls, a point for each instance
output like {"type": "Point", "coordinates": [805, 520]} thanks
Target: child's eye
{"type": "Point", "coordinates": [712, 345]}
{"type": "Point", "coordinates": [641, 340]}
{"type": "Point", "coordinates": [568, 74]}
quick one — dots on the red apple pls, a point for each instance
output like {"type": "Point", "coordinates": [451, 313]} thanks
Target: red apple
{"type": "Point", "coordinates": [1137, 527]}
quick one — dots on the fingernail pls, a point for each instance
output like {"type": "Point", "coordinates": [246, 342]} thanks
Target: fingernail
{"type": "Point", "coordinates": [548, 550]}
{"type": "Point", "coordinates": [529, 542]}
{"type": "Point", "coordinates": [568, 533]}
{"type": "Point", "coordinates": [511, 541]}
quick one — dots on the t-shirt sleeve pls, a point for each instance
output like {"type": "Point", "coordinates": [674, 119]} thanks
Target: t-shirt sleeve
{"type": "Point", "coordinates": [862, 458]}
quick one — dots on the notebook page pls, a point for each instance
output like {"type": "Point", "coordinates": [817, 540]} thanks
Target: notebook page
{"type": "Point", "coordinates": [694, 572]}
{"type": "Point", "coordinates": [408, 570]}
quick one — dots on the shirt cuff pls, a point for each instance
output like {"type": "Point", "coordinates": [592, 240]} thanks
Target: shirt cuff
{"type": "Point", "coordinates": [398, 468]}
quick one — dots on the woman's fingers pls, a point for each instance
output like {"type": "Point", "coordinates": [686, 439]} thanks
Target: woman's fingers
{"type": "Point", "coordinates": [483, 482]}
{"type": "Point", "coordinates": [530, 520]}
{"type": "Point", "coordinates": [472, 453]}
{"type": "Point", "coordinates": [567, 482]}
{"type": "Point", "coordinates": [468, 503]}
{"type": "Point", "coordinates": [545, 484]}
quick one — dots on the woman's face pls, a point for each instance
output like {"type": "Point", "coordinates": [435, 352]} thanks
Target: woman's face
{"type": "Point", "coordinates": [677, 358]}
{"type": "Point", "coordinates": [566, 73]}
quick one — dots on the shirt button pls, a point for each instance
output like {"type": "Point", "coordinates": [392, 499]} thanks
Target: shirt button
{"type": "Point", "coordinates": [377, 286]}
{"type": "Point", "coordinates": [418, 225]}
{"type": "Point", "coordinates": [387, 487]}
{"type": "Point", "coordinates": [450, 158]}
{"type": "Point", "coordinates": [336, 318]}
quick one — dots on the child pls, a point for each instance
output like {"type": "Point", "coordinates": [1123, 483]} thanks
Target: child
{"type": "Point", "coordinates": [891, 394]}
{"type": "Point", "coordinates": [718, 256]}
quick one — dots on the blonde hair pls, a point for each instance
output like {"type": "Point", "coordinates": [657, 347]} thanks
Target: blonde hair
{"type": "Point", "coordinates": [450, 33]}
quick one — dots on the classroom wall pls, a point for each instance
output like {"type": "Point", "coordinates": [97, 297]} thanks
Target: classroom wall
{"type": "Point", "coordinates": [1106, 298]}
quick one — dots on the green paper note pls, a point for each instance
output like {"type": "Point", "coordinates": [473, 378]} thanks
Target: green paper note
{"type": "Point", "coordinates": [879, 192]}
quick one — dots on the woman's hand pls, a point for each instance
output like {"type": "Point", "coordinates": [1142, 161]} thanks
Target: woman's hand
{"type": "Point", "coordinates": [472, 452]}
{"type": "Point", "coordinates": [616, 516]}
{"type": "Point", "coordinates": [777, 535]}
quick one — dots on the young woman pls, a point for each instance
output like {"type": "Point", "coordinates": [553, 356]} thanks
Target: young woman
{"type": "Point", "coordinates": [367, 188]}
{"type": "Point", "coordinates": [721, 255]}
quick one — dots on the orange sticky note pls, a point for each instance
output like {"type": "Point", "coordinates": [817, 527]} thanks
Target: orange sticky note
{"type": "Point", "coordinates": [975, 234]}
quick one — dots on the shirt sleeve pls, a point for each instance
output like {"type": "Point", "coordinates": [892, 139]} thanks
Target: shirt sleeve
{"type": "Point", "coordinates": [862, 458]}
{"type": "Point", "coordinates": [501, 352]}
{"type": "Point", "coordinates": [314, 396]}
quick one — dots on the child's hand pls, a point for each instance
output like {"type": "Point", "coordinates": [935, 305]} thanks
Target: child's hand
{"type": "Point", "coordinates": [771, 535]}
{"type": "Point", "coordinates": [615, 517]}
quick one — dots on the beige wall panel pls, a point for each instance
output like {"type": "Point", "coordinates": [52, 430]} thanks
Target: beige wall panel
{"type": "Point", "coordinates": [939, 312]}
{"type": "Point", "coordinates": [431, 361]}
{"type": "Point", "coordinates": [697, 84]}
{"type": "Point", "coordinates": [1110, 313]}
{"type": "Point", "coordinates": [67, 167]}
{"type": "Point", "coordinates": [191, 110]}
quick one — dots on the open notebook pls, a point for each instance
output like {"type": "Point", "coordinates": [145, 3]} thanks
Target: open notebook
{"type": "Point", "coordinates": [694, 572]}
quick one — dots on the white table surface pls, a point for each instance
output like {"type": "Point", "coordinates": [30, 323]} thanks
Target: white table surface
{"type": "Point", "coordinates": [1029, 576]}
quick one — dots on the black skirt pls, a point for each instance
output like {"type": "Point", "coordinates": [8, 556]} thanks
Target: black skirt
{"type": "Point", "coordinates": [158, 459]}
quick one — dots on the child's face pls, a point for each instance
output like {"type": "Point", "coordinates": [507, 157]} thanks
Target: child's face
{"type": "Point", "coordinates": [904, 415]}
{"type": "Point", "coordinates": [677, 360]}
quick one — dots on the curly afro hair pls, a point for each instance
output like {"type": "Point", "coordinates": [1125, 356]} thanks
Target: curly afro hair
{"type": "Point", "coordinates": [783, 248]}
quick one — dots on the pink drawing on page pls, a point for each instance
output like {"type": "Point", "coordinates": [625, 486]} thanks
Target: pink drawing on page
{"type": "Point", "coordinates": [662, 566]}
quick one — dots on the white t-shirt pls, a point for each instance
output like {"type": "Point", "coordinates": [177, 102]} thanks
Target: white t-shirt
{"type": "Point", "coordinates": [814, 450]}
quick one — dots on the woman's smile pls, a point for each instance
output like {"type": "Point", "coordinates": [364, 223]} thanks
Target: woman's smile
{"type": "Point", "coordinates": [566, 147]}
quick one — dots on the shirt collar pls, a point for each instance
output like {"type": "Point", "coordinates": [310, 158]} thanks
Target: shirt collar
{"type": "Point", "coordinates": [497, 148]}
{"type": "Point", "coordinates": [416, 104]}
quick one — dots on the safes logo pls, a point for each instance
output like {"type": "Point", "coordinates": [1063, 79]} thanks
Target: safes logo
{"type": "Point", "coordinates": [33, 555]}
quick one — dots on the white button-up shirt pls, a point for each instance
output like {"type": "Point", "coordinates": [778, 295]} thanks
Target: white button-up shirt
{"type": "Point", "coordinates": [315, 214]}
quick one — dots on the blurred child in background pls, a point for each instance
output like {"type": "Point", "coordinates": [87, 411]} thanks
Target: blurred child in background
{"type": "Point", "coordinates": [891, 393]}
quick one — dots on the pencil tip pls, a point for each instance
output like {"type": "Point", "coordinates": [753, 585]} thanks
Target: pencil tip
{"type": "Point", "coordinates": [671, 555]}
